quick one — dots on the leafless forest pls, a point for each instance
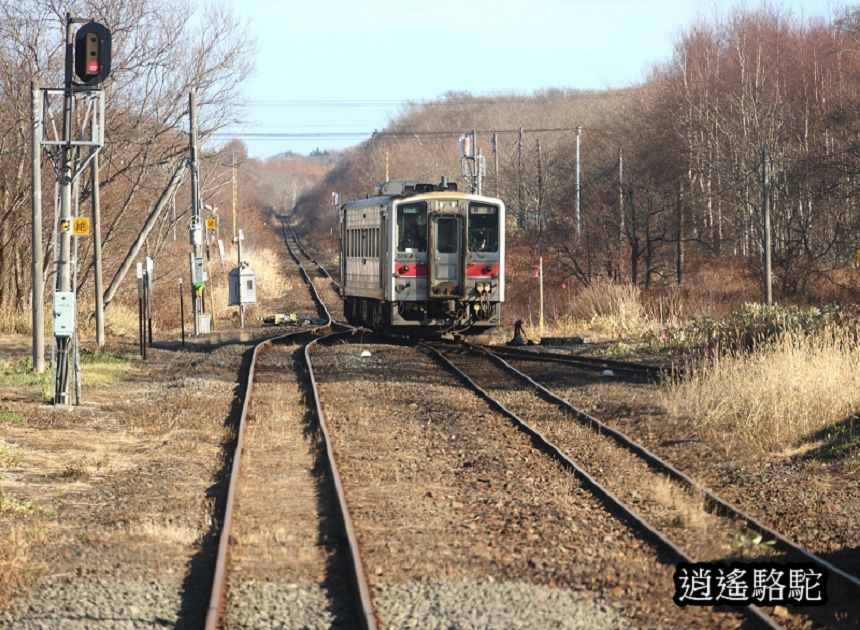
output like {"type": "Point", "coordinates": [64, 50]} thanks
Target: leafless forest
{"type": "Point", "coordinates": [671, 170]}
{"type": "Point", "coordinates": [160, 50]}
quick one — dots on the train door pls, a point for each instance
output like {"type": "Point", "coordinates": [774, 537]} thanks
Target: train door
{"type": "Point", "coordinates": [445, 256]}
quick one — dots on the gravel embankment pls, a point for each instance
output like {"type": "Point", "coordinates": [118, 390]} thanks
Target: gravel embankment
{"type": "Point", "coordinates": [809, 499]}
{"type": "Point", "coordinates": [286, 566]}
{"type": "Point", "coordinates": [127, 490]}
{"type": "Point", "coordinates": [114, 502]}
{"type": "Point", "coordinates": [457, 513]}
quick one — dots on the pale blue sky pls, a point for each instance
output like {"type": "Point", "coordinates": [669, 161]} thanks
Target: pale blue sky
{"type": "Point", "coordinates": [341, 66]}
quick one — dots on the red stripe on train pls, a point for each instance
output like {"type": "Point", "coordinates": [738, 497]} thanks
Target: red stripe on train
{"type": "Point", "coordinates": [410, 270]}
{"type": "Point", "coordinates": [482, 271]}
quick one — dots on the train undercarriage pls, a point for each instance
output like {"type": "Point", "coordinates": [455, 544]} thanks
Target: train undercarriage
{"type": "Point", "coordinates": [427, 318]}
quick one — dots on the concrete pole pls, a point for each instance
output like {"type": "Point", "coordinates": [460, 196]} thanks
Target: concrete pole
{"type": "Point", "coordinates": [476, 163]}
{"type": "Point", "coordinates": [195, 323]}
{"type": "Point", "coordinates": [38, 298]}
{"type": "Point", "coordinates": [234, 172]}
{"type": "Point", "coordinates": [578, 188]}
{"type": "Point", "coordinates": [195, 201]}
{"type": "Point", "coordinates": [620, 195]}
{"type": "Point", "coordinates": [241, 300]}
{"type": "Point", "coordinates": [97, 253]}
{"type": "Point", "coordinates": [64, 278]}
{"type": "Point", "coordinates": [521, 211]}
{"type": "Point", "coordinates": [496, 163]}
{"type": "Point", "coordinates": [766, 259]}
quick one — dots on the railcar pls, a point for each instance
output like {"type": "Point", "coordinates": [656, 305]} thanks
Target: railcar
{"type": "Point", "coordinates": [423, 259]}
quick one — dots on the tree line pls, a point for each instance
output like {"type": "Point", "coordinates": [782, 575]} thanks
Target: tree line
{"type": "Point", "coordinates": [672, 170]}
{"type": "Point", "coordinates": [160, 51]}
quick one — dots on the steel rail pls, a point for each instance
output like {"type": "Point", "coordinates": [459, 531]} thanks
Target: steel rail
{"type": "Point", "coordinates": [615, 505]}
{"type": "Point", "coordinates": [219, 579]}
{"type": "Point", "coordinates": [322, 309]}
{"type": "Point", "coordinates": [359, 575]}
{"type": "Point", "coordinates": [713, 502]}
{"type": "Point", "coordinates": [319, 265]}
{"type": "Point", "coordinates": [642, 370]}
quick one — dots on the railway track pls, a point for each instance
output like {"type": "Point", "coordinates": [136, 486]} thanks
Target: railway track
{"type": "Point", "coordinates": [661, 498]}
{"type": "Point", "coordinates": [456, 516]}
{"type": "Point", "coordinates": [329, 289]}
{"type": "Point", "coordinates": [304, 253]}
{"type": "Point", "coordinates": [269, 358]}
{"type": "Point", "coordinates": [389, 591]}
{"type": "Point", "coordinates": [627, 370]}
{"type": "Point", "coordinates": [682, 521]}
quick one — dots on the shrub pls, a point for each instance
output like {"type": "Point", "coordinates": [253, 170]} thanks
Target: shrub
{"type": "Point", "coordinates": [793, 385]}
{"type": "Point", "coordinates": [610, 307]}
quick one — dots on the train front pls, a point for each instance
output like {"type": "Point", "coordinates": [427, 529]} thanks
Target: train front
{"type": "Point", "coordinates": [449, 261]}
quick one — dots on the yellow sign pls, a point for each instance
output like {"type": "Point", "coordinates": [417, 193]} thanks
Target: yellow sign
{"type": "Point", "coordinates": [212, 224]}
{"type": "Point", "coordinates": [64, 225]}
{"type": "Point", "coordinates": [80, 226]}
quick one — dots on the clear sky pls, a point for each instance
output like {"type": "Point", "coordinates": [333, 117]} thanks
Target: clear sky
{"type": "Point", "coordinates": [329, 72]}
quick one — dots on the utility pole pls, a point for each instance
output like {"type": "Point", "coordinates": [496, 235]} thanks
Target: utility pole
{"type": "Point", "coordinates": [679, 234]}
{"type": "Point", "coordinates": [766, 258]}
{"type": "Point", "coordinates": [473, 165]}
{"type": "Point", "coordinates": [63, 284]}
{"type": "Point", "coordinates": [480, 165]}
{"type": "Point", "coordinates": [97, 254]}
{"type": "Point", "coordinates": [196, 227]}
{"type": "Point", "coordinates": [620, 196]}
{"type": "Point", "coordinates": [520, 191]}
{"type": "Point", "coordinates": [38, 298]}
{"type": "Point", "coordinates": [540, 231]}
{"type": "Point", "coordinates": [496, 163]}
{"type": "Point", "coordinates": [233, 171]}
{"type": "Point", "coordinates": [578, 189]}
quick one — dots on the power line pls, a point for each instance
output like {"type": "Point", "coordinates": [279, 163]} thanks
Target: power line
{"type": "Point", "coordinates": [489, 100]}
{"type": "Point", "coordinates": [290, 135]}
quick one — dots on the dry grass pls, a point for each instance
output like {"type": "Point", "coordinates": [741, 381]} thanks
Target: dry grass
{"type": "Point", "coordinates": [607, 307]}
{"type": "Point", "coordinates": [15, 323]}
{"type": "Point", "coordinates": [269, 269]}
{"type": "Point", "coordinates": [7, 457]}
{"type": "Point", "coordinates": [16, 567]}
{"type": "Point", "coordinates": [776, 397]}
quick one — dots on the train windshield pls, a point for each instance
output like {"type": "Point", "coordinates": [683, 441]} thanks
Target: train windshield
{"type": "Point", "coordinates": [483, 228]}
{"type": "Point", "coordinates": [412, 227]}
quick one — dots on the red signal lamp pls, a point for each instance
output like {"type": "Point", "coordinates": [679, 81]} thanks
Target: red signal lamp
{"type": "Point", "coordinates": [92, 53]}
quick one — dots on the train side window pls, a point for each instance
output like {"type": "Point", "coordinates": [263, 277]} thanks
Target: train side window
{"type": "Point", "coordinates": [412, 227]}
{"type": "Point", "coordinates": [483, 228]}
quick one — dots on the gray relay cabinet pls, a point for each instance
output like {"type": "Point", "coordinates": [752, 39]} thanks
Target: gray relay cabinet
{"type": "Point", "coordinates": [243, 287]}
